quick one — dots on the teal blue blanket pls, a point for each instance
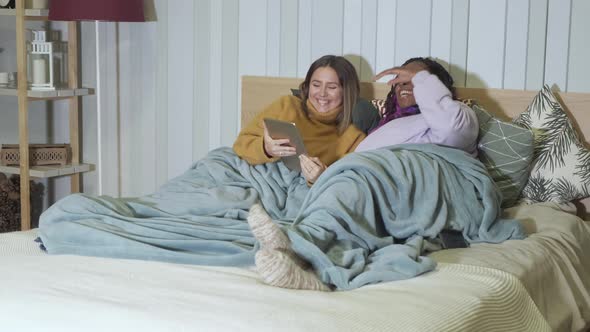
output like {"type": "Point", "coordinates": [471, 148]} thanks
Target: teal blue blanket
{"type": "Point", "coordinates": [364, 221]}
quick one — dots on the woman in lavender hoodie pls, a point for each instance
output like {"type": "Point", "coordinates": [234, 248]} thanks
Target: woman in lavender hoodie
{"type": "Point", "coordinates": [421, 108]}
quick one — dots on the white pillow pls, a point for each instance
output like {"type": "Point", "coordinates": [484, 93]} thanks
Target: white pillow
{"type": "Point", "coordinates": [561, 163]}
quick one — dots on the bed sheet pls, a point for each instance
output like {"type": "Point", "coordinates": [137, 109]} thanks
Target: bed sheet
{"type": "Point", "coordinates": [483, 288]}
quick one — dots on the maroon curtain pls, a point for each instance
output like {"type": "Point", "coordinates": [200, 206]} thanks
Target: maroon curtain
{"type": "Point", "coordinates": [101, 10]}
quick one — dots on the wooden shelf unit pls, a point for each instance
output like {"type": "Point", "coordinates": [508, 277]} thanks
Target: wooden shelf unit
{"type": "Point", "coordinates": [73, 92]}
{"type": "Point", "coordinates": [33, 14]}
{"type": "Point", "coordinates": [49, 171]}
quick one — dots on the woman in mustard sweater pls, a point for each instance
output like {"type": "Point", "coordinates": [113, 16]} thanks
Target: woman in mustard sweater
{"type": "Point", "coordinates": [323, 116]}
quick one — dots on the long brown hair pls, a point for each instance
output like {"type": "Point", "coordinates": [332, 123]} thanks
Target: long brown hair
{"type": "Point", "coordinates": [348, 80]}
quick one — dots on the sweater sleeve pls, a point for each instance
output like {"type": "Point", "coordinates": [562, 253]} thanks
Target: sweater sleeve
{"type": "Point", "coordinates": [356, 141]}
{"type": "Point", "coordinates": [250, 142]}
{"type": "Point", "coordinates": [451, 122]}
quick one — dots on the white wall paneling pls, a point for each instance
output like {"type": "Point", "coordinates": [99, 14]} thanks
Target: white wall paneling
{"type": "Point", "coordinates": [167, 102]}
{"type": "Point", "coordinates": [515, 44]}
{"type": "Point", "coordinates": [352, 32]}
{"type": "Point", "coordinates": [253, 37]}
{"type": "Point", "coordinates": [578, 70]}
{"type": "Point", "coordinates": [537, 34]}
{"type": "Point", "coordinates": [368, 39]}
{"type": "Point", "coordinates": [273, 37]}
{"type": "Point", "coordinates": [201, 74]}
{"type": "Point", "coordinates": [228, 86]}
{"type": "Point", "coordinates": [181, 63]}
{"type": "Point", "coordinates": [485, 58]}
{"type": "Point", "coordinates": [137, 108]}
{"type": "Point", "coordinates": [252, 41]}
{"type": "Point", "coordinates": [326, 28]}
{"type": "Point", "coordinates": [288, 38]}
{"type": "Point", "coordinates": [440, 31]}
{"type": "Point", "coordinates": [215, 68]}
{"type": "Point", "coordinates": [558, 28]}
{"type": "Point", "coordinates": [459, 41]}
{"type": "Point", "coordinates": [412, 33]}
{"type": "Point", "coordinates": [304, 37]}
{"type": "Point", "coordinates": [88, 108]}
{"type": "Point", "coordinates": [385, 37]}
{"type": "Point", "coordinates": [161, 68]}
{"type": "Point", "coordinates": [107, 92]}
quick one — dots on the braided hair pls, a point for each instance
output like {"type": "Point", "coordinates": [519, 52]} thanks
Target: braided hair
{"type": "Point", "coordinates": [434, 68]}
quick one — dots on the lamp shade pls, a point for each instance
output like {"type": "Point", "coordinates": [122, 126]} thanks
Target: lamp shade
{"type": "Point", "coordinates": [96, 10]}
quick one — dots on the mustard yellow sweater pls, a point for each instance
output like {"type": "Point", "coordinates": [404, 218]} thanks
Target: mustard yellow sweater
{"type": "Point", "coordinates": [319, 132]}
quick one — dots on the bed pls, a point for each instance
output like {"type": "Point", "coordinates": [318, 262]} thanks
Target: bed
{"type": "Point", "coordinates": [541, 283]}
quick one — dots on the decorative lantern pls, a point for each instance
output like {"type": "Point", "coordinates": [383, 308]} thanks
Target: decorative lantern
{"type": "Point", "coordinates": [41, 61]}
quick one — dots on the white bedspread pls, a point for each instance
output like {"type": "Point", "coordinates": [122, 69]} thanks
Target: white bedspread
{"type": "Point", "coordinates": [553, 263]}
{"type": "Point", "coordinates": [39, 292]}
{"type": "Point", "coordinates": [67, 293]}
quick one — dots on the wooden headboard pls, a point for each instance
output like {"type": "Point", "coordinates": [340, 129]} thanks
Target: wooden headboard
{"type": "Point", "coordinates": [259, 91]}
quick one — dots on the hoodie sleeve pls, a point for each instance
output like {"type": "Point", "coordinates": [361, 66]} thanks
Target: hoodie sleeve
{"type": "Point", "coordinates": [451, 122]}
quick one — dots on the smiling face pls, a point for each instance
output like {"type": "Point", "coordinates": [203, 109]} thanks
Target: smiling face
{"type": "Point", "coordinates": [325, 91]}
{"type": "Point", "coordinates": [404, 92]}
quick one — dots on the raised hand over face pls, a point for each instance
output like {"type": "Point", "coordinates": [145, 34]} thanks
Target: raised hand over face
{"type": "Point", "coordinates": [402, 74]}
{"type": "Point", "coordinates": [404, 89]}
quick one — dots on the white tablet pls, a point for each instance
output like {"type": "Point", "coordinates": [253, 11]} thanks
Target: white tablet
{"type": "Point", "coordinates": [283, 129]}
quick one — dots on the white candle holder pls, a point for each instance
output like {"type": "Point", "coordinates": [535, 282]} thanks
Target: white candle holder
{"type": "Point", "coordinates": [41, 61]}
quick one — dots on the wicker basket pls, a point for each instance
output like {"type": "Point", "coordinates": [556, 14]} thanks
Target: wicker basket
{"type": "Point", "coordinates": [39, 154]}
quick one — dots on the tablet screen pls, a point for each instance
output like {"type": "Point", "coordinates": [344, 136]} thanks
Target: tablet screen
{"type": "Point", "coordinates": [283, 129]}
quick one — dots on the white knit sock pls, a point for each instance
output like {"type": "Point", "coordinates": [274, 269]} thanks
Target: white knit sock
{"type": "Point", "coordinates": [270, 234]}
{"type": "Point", "coordinates": [265, 230]}
{"type": "Point", "coordinates": [278, 269]}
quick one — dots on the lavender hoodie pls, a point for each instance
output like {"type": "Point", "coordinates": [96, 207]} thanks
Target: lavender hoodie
{"type": "Point", "coordinates": [442, 120]}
